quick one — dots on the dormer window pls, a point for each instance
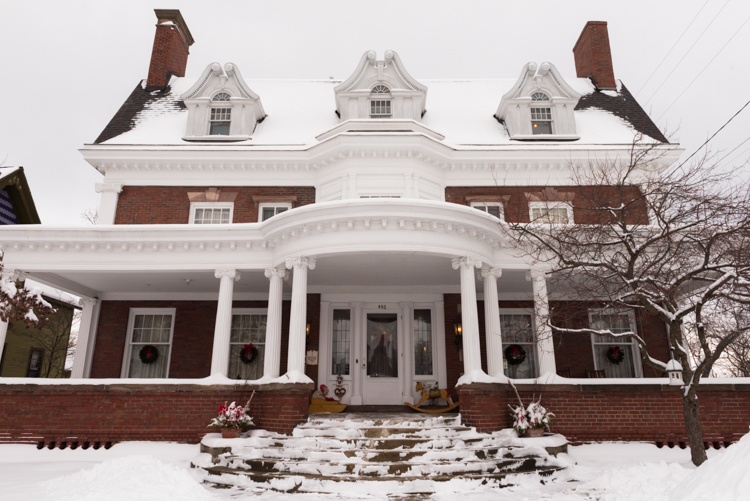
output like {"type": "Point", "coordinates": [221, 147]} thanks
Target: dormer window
{"type": "Point", "coordinates": [221, 116]}
{"type": "Point", "coordinates": [541, 120]}
{"type": "Point", "coordinates": [539, 96]}
{"type": "Point", "coordinates": [380, 107]}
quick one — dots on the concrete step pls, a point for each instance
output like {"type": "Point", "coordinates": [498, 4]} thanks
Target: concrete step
{"type": "Point", "coordinates": [382, 432]}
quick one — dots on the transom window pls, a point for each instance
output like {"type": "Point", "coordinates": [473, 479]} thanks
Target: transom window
{"type": "Point", "coordinates": [606, 347]}
{"type": "Point", "coordinates": [539, 96]}
{"type": "Point", "coordinates": [248, 327]}
{"type": "Point", "coordinates": [267, 211]}
{"type": "Point", "coordinates": [341, 342]}
{"type": "Point", "coordinates": [550, 212]}
{"type": "Point", "coordinates": [491, 208]}
{"type": "Point", "coordinates": [380, 108]}
{"type": "Point", "coordinates": [221, 96]}
{"type": "Point", "coordinates": [541, 120]}
{"type": "Point", "coordinates": [380, 89]}
{"type": "Point", "coordinates": [517, 331]}
{"type": "Point", "coordinates": [150, 331]}
{"type": "Point", "coordinates": [211, 212]}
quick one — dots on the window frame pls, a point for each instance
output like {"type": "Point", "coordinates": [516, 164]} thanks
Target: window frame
{"type": "Point", "coordinates": [264, 205]}
{"type": "Point", "coordinates": [547, 105]}
{"type": "Point", "coordinates": [479, 203]}
{"type": "Point", "coordinates": [211, 205]}
{"type": "Point", "coordinates": [380, 96]}
{"type": "Point", "coordinates": [248, 311]}
{"type": "Point", "coordinates": [637, 365]}
{"type": "Point", "coordinates": [222, 104]}
{"type": "Point", "coordinates": [32, 350]}
{"type": "Point", "coordinates": [333, 309]}
{"type": "Point", "coordinates": [550, 205]}
{"type": "Point", "coordinates": [434, 344]}
{"type": "Point", "coordinates": [537, 347]}
{"type": "Point", "coordinates": [127, 352]}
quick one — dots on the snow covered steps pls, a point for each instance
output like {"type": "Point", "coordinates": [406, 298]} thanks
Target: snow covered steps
{"type": "Point", "coordinates": [374, 447]}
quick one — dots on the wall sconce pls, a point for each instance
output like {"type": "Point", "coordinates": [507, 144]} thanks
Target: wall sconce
{"type": "Point", "coordinates": [458, 330]}
{"type": "Point", "coordinates": [307, 334]}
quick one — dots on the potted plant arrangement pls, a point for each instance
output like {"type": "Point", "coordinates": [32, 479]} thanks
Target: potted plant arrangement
{"type": "Point", "coordinates": [232, 419]}
{"type": "Point", "coordinates": [532, 420]}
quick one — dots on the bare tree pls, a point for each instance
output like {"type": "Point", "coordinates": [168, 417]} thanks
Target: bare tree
{"type": "Point", "coordinates": [727, 325]}
{"type": "Point", "coordinates": [54, 338]}
{"type": "Point", "coordinates": [90, 215]}
{"type": "Point", "coordinates": [671, 245]}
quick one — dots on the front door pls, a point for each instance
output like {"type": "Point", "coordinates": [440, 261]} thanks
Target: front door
{"type": "Point", "coordinates": [381, 356]}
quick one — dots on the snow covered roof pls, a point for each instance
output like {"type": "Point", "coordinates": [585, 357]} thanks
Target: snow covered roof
{"type": "Point", "coordinates": [299, 110]}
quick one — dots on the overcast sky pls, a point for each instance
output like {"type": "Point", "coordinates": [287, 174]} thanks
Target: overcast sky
{"type": "Point", "coordinates": [67, 66]}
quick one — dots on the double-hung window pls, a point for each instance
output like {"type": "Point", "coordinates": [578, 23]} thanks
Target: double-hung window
{"type": "Point", "coordinates": [221, 115]}
{"type": "Point", "coordinates": [541, 114]}
{"type": "Point", "coordinates": [551, 212]}
{"type": "Point", "coordinates": [617, 356]}
{"type": "Point", "coordinates": [268, 210]}
{"type": "Point", "coordinates": [149, 343]}
{"type": "Point", "coordinates": [491, 208]}
{"type": "Point", "coordinates": [248, 328]}
{"type": "Point", "coordinates": [380, 102]}
{"type": "Point", "coordinates": [517, 331]}
{"type": "Point", "coordinates": [211, 212]}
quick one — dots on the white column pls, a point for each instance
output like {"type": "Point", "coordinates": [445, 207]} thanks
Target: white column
{"type": "Point", "coordinates": [272, 361]}
{"type": "Point", "coordinates": [108, 203]}
{"type": "Point", "coordinates": [223, 329]}
{"type": "Point", "coordinates": [545, 344]}
{"type": "Point", "coordinates": [493, 336]}
{"type": "Point", "coordinates": [359, 350]}
{"type": "Point", "coordinates": [408, 351]}
{"type": "Point", "coordinates": [469, 315]}
{"type": "Point", "coordinates": [84, 331]}
{"type": "Point", "coordinates": [298, 317]}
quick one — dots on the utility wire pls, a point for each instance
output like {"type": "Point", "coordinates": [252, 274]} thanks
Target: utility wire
{"type": "Point", "coordinates": [704, 68]}
{"type": "Point", "coordinates": [733, 150]}
{"type": "Point", "coordinates": [714, 135]}
{"type": "Point", "coordinates": [688, 52]}
{"type": "Point", "coordinates": [670, 50]}
{"type": "Point", "coordinates": [738, 156]}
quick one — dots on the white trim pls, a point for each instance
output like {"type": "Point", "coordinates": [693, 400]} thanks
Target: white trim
{"type": "Point", "coordinates": [263, 205]}
{"type": "Point", "coordinates": [211, 205]}
{"type": "Point", "coordinates": [637, 365]}
{"type": "Point", "coordinates": [125, 369]}
{"type": "Point", "coordinates": [551, 205]}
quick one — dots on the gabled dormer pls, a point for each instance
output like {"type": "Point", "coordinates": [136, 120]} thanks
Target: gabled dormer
{"type": "Point", "coordinates": [380, 89]}
{"type": "Point", "coordinates": [221, 107]}
{"type": "Point", "coordinates": [540, 106]}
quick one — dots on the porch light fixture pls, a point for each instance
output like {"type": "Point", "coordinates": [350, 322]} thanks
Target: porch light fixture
{"type": "Point", "coordinates": [458, 330]}
{"type": "Point", "coordinates": [307, 334]}
{"type": "Point", "coordinates": [674, 371]}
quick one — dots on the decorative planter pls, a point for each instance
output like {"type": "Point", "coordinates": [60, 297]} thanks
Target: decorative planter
{"type": "Point", "coordinates": [230, 432]}
{"type": "Point", "coordinates": [534, 432]}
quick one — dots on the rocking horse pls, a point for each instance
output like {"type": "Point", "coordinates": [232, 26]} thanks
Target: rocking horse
{"type": "Point", "coordinates": [433, 394]}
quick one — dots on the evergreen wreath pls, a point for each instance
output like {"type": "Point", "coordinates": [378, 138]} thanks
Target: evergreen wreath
{"type": "Point", "coordinates": [615, 354]}
{"type": "Point", "coordinates": [515, 354]}
{"type": "Point", "coordinates": [148, 354]}
{"type": "Point", "coordinates": [248, 353]}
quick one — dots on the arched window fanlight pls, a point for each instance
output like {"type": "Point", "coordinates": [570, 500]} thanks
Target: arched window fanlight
{"type": "Point", "coordinates": [380, 89]}
{"type": "Point", "coordinates": [539, 96]}
{"type": "Point", "coordinates": [221, 96]}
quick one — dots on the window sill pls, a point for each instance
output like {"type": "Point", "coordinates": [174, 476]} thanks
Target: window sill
{"type": "Point", "coordinates": [545, 137]}
{"type": "Point", "coordinates": [217, 138]}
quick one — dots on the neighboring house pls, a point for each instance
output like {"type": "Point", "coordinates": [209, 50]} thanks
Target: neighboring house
{"type": "Point", "coordinates": [16, 204]}
{"type": "Point", "coordinates": [345, 228]}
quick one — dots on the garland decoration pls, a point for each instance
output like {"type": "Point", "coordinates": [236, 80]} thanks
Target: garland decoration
{"type": "Point", "coordinates": [515, 354]}
{"type": "Point", "coordinates": [148, 354]}
{"type": "Point", "coordinates": [248, 353]}
{"type": "Point", "coordinates": [615, 355]}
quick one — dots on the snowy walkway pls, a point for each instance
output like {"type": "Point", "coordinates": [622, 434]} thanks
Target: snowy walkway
{"type": "Point", "coordinates": [159, 471]}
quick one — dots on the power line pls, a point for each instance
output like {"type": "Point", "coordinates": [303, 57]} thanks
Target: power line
{"type": "Point", "coordinates": [704, 68]}
{"type": "Point", "coordinates": [714, 135]}
{"type": "Point", "coordinates": [738, 156]}
{"type": "Point", "coordinates": [688, 52]}
{"type": "Point", "coordinates": [670, 50]}
{"type": "Point", "coordinates": [733, 149]}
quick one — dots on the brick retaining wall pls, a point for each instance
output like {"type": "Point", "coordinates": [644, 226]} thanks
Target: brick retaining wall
{"type": "Point", "coordinates": [643, 412]}
{"type": "Point", "coordinates": [118, 412]}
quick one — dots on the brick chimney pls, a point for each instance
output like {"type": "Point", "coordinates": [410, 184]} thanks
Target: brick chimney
{"type": "Point", "coordinates": [593, 57]}
{"type": "Point", "coordinates": [171, 48]}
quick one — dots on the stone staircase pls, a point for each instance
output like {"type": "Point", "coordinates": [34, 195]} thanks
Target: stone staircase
{"type": "Point", "coordinates": [404, 448]}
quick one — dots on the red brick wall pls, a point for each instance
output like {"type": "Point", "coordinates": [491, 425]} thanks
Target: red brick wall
{"type": "Point", "coordinates": [585, 200]}
{"type": "Point", "coordinates": [192, 340]}
{"type": "Point", "coordinates": [170, 204]}
{"type": "Point", "coordinates": [168, 57]}
{"type": "Point", "coordinates": [118, 412]}
{"type": "Point", "coordinates": [584, 413]}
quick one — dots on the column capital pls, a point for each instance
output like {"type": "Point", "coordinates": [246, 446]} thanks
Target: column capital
{"type": "Point", "coordinates": [466, 262]}
{"type": "Point", "coordinates": [108, 187]}
{"type": "Point", "coordinates": [537, 273]}
{"type": "Point", "coordinates": [87, 301]}
{"type": "Point", "coordinates": [300, 261]}
{"type": "Point", "coordinates": [496, 272]}
{"type": "Point", "coordinates": [223, 272]}
{"type": "Point", "coordinates": [270, 272]}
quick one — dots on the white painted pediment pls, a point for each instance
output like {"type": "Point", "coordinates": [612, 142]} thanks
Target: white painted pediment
{"type": "Point", "coordinates": [383, 80]}
{"type": "Point", "coordinates": [543, 81]}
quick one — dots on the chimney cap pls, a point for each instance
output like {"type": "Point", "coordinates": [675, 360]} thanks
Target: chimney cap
{"type": "Point", "coordinates": [175, 16]}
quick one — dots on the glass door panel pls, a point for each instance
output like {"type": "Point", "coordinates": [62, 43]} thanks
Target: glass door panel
{"type": "Point", "coordinates": [382, 345]}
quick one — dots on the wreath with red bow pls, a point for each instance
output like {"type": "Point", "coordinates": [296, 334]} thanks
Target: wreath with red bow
{"type": "Point", "coordinates": [515, 354]}
{"type": "Point", "coordinates": [148, 354]}
{"type": "Point", "coordinates": [615, 354]}
{"type": "Point", "coordinates": [248, 353]}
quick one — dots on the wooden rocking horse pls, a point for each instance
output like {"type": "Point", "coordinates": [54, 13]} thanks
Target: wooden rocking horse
{"type": "Point", "coordinates": [433, 394]}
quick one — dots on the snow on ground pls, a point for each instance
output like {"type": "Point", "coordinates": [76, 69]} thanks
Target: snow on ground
{"type": "Point", "coordinates": [148, 470]}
